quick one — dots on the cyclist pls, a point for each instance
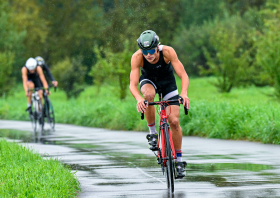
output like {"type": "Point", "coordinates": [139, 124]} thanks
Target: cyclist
{"type": "Point", "coordinates": [155, 62]}
{"type": "Point", "coordinates": [32, 77]}
{"type": "Point", "coordinates": [44, 66]}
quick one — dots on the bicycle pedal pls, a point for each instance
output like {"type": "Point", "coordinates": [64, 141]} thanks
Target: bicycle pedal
{"type": "Point", "coordinates": [154, 148]}
{"type": "Point", "coordinates": [159, 161]}
{"type": "Point", "coordinates": [179, 177]}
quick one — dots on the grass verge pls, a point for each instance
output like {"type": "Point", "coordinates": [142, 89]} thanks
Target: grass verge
{"type": "Point", "coordinates": [25, 174]}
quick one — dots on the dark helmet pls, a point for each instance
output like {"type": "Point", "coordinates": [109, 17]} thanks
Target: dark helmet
{"type": "Point", "coordinates": [40, 60]}
{"type": "Point", "coordinates": [148, 40]}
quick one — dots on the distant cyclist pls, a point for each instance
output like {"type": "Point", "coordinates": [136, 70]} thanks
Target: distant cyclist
{"type": "Point", "coordinates": [32, 77]}
{"type": "Point", "coordinates": [155, 62]}
{"type": "Point", "coordinates": [44, 66]}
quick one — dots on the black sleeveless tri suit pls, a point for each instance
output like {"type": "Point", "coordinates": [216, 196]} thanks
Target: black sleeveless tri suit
{"type": "Point", "coordinates": [161, 76]}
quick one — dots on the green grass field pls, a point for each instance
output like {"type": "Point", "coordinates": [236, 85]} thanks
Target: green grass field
{"type": "Point", "coordinates": [247, 113]}
{"type": "Point", "coordinates": [24, 173]}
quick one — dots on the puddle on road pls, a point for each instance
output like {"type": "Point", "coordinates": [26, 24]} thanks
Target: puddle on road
{"type": "Point", "coordinates": [219, 174]}
{"type": "Point", "coordinates": [25, 136]}
{"type": "Point", "coordinates": [228, 166]}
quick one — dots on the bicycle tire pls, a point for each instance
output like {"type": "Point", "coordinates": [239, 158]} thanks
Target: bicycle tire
{"type": "Point", "coordinates": [169, 162]}
{"type": "Point", "coordinates": [35, 115]}
{"type": "Point", "coordinates": [33, 121]}
{"type": "Point", "coordinates": [39, 122]}
{"type": "Point", "coordinates": [40, 119]}
{"type": "Point", "coordinates": [50, 114]}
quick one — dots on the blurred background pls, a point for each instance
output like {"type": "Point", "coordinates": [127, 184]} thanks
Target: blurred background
{"type": "Point", "coordinates": [229, 48]}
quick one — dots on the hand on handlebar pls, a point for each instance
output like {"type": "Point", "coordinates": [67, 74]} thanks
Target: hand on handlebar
{"type": "Point", "coordinates": [186, 101]}
{"type": "Point", "coordinates": [141, 105]}
{"type": "Point", "coordinates": [54, 83]}
{"type": "Point", "coordinates": [27, 93]}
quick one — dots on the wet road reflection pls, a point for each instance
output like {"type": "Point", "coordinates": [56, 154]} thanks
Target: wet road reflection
{"type": "Point", "coordinates": [119, 164]}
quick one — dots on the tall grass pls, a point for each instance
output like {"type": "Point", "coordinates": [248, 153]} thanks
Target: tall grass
{"type": "Point", "coordinates": [244, 113]}
{"type": "Point", "coordinates": [25, 174]}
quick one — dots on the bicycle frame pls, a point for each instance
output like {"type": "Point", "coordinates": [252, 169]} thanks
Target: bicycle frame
{"type": "Point", "coordinates": [163, 123]}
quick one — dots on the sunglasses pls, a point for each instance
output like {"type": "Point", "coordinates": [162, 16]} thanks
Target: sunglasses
{"type": "Point", "coordinates": [151, 51]}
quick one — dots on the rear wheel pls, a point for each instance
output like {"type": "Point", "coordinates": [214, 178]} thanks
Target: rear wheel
{"type": "Point", "coordinates": [169, 162]}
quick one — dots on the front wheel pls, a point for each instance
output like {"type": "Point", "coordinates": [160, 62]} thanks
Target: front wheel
{"type": "Point", "coordinates": [169, 162]}
{"type": "Point", "coordinates": [49, 112]}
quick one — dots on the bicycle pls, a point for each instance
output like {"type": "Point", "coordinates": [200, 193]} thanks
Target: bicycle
{"type": "Point", "coordinates": [166, 151]}
{"type": "Point", "coordinates": [36, 116]}
{"type": "Point", "coordinates": [48, 111]}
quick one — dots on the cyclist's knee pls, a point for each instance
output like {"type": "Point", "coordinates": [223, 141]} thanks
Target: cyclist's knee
{"type": "Point", "coordinates": [149, 96]}
{"type": "Point", "coordinates": [174, 123]}
{"type": "Point", "coordinates": [30, 85]}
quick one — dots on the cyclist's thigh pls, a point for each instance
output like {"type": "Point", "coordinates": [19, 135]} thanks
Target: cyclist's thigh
{"type": "Point", "coordinates": [148, 88]}
{"type": "Point", "coordinates": [37, 82]}
{"type": "Point", "coordinates": [169, 90]}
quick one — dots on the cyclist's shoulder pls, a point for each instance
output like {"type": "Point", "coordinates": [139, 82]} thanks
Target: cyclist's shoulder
{"type": "Point", "coordinates": [44, 66]}
{"type": "Point", "coordinates": [166, 49]}
{"type": "Point", "coordinates": [168, 52]}
{"type": "Point", "coordinates": [24, 69]}
{"type": "Point", "coordinates": [137, 54]}
{"type": "Point", "coordinates": [137, 57]}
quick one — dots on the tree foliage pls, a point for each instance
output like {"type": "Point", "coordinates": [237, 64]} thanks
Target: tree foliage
{"type": "Point", "coordinates": [70, 74]}
{"type": "Point", "coordinates": [268, 45]}
{"type": "Point", "coordinates": [130, 18]}
{"type": "Point", "coordinates": [10, 45]}
{"type": "Point", "coordinates": [60, 30]}
{"type": "Point", "coordinates": [113, 68]}
{"type": "Point", "coordinates": [230, 60]}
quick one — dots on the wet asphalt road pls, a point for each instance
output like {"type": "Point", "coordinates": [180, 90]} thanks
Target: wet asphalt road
{"type": "Point", "coordinates": [119, 164]}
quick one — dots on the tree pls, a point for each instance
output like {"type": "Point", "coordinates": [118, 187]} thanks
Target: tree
{"type": "Point", "coordinates": [129, 18]}
{"type": "Point", "coordinates": [268, 45]}
{"type": "Point", "coordinates": [113, 67]}
{"type": "Point", "coordinates": [70, 74]}
{"type": "Point", "coordinates": [11, 43]}
{"type": "Point", "coordinates": [26, 17]}
{"type": "Point", "coordinates": [230, 61]}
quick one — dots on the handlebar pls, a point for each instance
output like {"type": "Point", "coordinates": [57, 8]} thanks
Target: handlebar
{"type": "Point", "coordinates": [167, 102]}
{"type": "Point", "coordinates": [42, 88]}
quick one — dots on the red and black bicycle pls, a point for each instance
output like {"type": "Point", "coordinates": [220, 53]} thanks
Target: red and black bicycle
{"type": "Point", "coordinates": [166, 153]}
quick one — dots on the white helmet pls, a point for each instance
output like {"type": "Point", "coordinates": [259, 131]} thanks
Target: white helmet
{"type": "Point", "coordinates": [31, 64]}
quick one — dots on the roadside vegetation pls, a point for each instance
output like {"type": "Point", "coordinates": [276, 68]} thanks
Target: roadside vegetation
{"type": "Point", "coordinates": [24, 173]}
{"type": "Point", "coordinates": [246, 113]}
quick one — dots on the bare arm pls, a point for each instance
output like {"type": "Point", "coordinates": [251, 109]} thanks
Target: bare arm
{"type": "Point", "coordinates": [134, 79]}
{"type": "Point", "coordinates": [42, 77]}
{"type": "Point", "coordinates": [24, 79]}
{"type": "Point", "coordinates": [171, 55]}
{"type": "Point", "coordinates": [46, 68]}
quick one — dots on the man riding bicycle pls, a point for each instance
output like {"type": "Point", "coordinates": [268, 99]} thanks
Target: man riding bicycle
{"type": "Point", "coordinates": [32, 77]}
{"type": "Point", "coordinates": [44, 66]}
{"type": "Point", "coordinates": [156, 63]}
